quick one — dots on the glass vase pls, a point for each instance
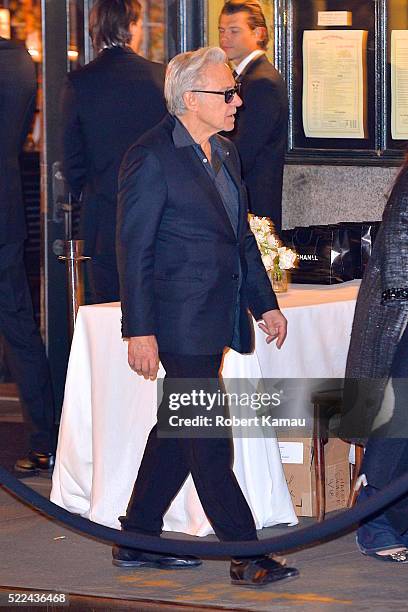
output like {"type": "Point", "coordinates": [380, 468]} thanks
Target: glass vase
{"type": "Point", "coordinates": [279, 280]}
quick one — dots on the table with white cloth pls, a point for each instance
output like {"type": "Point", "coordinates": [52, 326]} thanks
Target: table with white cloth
{"type": "Point", "coordinates": [109, 410]}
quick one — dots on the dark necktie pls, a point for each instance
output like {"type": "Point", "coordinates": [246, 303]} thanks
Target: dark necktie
{"type": "Point", "coordinates": [235, 74]}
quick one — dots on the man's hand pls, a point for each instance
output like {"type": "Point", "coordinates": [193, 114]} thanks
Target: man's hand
{"type": "Point", "coordinates": [275, 326]}
{"type": "Point", "coordinates": [143, 356]}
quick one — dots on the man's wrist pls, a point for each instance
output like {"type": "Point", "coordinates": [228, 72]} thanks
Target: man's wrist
{"type": "Point", "coordinates": [270, 310]}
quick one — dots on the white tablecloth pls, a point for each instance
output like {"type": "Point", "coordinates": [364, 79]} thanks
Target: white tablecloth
{"type": "Point", "coordinates": [108, 411]}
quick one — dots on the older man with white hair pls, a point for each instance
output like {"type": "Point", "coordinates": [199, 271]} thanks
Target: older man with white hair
{"type": "Point", "coordinates": [190, 273]}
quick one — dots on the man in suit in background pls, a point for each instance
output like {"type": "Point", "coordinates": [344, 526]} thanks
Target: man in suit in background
{"type": "Point", "coordinates": [260, 132]}
{"type": "Point", "coordinates": [189, 271]}
{"type": "Point", "coordinates": [106, 106]}
{"type": "Point", "coordinates": [24, 346]}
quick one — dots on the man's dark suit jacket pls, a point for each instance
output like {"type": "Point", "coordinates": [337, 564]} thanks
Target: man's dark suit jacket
{"type": "Point", "coordinates": [17, 104]}
{"type": "Point", "coordinates": [178, 255]}
{"type": "Point", "coordinates": [260, 135]}
{"type": "Point", "coordinates": [106, 106]}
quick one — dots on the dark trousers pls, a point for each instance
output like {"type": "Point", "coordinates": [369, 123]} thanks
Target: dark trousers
{"type": "Point", "coordinates": [103, 279]}
{"type": "Point", "coordinates": [385, 460]}
{"type": "Point", "coordinates": [167, 462]}
{"type": "Point", "coordinates": [386, 454]}
{"type": "Point", "coordinates": [25, 349]}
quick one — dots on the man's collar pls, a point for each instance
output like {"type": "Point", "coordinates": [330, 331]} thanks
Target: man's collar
{"type": "Point", "coordinates": [242, 65]}
{"type": "Point", "coordinates": [181, 135]}
{"type": "Point", "coordinates": [123, 48]}
{"type": "Point", "coordinates": [183, 138]}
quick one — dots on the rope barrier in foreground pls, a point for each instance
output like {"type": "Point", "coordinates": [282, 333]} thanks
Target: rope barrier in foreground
{"type": "Point", "coordinates": [296, 538]}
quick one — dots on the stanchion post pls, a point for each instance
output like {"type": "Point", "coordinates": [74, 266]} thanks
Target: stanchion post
{"type": "Point", "coordinates": [73, 258]}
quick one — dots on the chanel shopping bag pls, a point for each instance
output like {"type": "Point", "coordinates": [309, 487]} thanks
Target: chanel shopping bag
{"type": "Point", "coordinates": [361, 237]}
{"type": "Point", "coordinates": [324, 255]}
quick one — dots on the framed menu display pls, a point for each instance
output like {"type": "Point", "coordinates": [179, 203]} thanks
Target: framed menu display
{"type": "Point", "coordinates": [334, 83]}
{"type": "Point", "coordinates": [399, 84]}
{"type": "Point", "coordinates": [330, 62]}
{"type": "Point", "coordinates": [396, 86]}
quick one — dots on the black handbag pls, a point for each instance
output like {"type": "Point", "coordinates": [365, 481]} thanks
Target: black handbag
{"type": "Point", "coordinates": [324, 254]}
{"type": "Point", "coordinates": [361, 237]}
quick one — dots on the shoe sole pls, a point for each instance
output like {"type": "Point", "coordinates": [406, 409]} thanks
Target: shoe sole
{"type": "Point", "coordinates": [152, 565]}
{"type": "Point", "coordinates": [261, 585]}
{"type": "Point", "coordinates": [33, 471]}
{"type": "Point", "coordinates": [385, 558]}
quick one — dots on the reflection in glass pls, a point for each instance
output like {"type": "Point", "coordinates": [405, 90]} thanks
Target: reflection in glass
{"type": "Point", "coordinates": [154, 31]}
{"type": "Point", "coordinates": [21, 20]}
{"type": "Point", "coordinates": [24, 24]}
{"type": "Point", "coordinates": [5, 27]}
{"type": "Point", "coordinates": [76, 42]}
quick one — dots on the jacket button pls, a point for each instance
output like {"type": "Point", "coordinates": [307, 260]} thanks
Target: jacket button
{"type": "Point", "coordinates": [235, 276]}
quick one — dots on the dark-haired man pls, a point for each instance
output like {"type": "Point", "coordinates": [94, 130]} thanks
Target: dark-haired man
{"type": "Point", "coordinates": [261, 126]}
{"type": "Point", "coordinates": [106, 106]}
{"type": "Point", "coordinates": [25, 350]}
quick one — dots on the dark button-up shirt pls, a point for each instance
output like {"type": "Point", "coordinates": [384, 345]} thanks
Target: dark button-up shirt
{"type": "Point", "coordinates": [225, 186]}
{"type": "Point", "coordinates": [216, 170]}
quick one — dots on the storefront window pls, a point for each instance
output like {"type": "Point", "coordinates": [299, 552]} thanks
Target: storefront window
{"type": "Point", "coordinates": [5, 26]}
{"type": "Point", "coordinates": [153, 45]}
{"type": "Point", "coordinates": [25, 23]}
{"type": "Point", "coordinates": [21, 20]}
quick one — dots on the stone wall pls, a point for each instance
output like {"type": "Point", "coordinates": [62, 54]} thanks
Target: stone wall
{"type": "Point", "coordinates": [328, 194]}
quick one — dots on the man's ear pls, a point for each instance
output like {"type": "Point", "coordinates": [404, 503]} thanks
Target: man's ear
{"type": "Point", "coordinates": [190, 100]}
{"type": "Point", "coordinates": [260, 33]}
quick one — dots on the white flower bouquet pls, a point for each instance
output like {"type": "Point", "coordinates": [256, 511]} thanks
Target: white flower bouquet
{"type": "Point", "coordinates": [275, 257]}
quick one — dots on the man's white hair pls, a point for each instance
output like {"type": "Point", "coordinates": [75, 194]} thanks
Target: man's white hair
{"type": "Point", "coordinates": [186, 72]}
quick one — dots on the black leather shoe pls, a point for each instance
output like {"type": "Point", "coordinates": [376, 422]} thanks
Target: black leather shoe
{"type": "Point", "coordinates": [259, 572]}
{"type": "Point", "coordinates": [36, 463]}
{"type": "Point", "coordinates": [133, 558]}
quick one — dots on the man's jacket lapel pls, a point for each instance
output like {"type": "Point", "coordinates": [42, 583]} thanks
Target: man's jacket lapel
{"type": "Point", "coordinates": [192, 162]}
{"type": "Point", "coordinates": [234, 172]}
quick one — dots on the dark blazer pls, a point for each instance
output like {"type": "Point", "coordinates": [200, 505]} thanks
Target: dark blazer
{"type": "Point", "coordinates": [178, 255]}
{"type": "Point", "coordinates": [17, 105]}
{"type": "Point", "coordinates": [260, 135]}
{"type": "Point", "coordinates": [106, 106]}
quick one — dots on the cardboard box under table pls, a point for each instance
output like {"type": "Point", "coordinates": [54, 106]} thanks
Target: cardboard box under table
{"type": "Point", "coordinates": [298, 465]}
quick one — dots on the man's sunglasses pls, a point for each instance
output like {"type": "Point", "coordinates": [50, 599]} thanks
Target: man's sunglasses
{"type": "Point", "coordinates": [228, 93]}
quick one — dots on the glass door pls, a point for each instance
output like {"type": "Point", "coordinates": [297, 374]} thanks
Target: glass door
{"type": "Point", "coordinates": [170, 26]}
{"type": "Point", "coordinates": [56, 34]}
{"type": "Point", "coordinates": [20, 20]}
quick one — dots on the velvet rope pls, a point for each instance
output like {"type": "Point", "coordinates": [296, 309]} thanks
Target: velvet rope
{"type": "Point", "coordinates": [313, 534]}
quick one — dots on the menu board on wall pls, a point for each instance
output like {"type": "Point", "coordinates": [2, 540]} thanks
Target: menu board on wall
{"type": "Point", "coordinates": [334, 100]}
{"type": "Point", "coordinates": [399, 84]}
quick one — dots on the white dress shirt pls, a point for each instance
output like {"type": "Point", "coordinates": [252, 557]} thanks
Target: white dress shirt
{"type": "Point", "coordinates": [242, 65]}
